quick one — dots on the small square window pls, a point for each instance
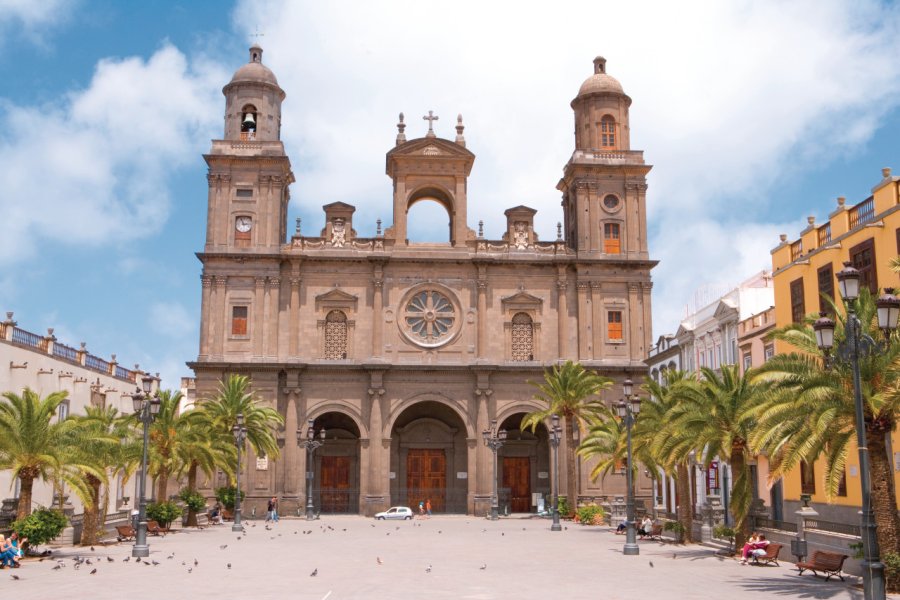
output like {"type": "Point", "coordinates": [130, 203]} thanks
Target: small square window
{"type": "Point", "coordinates": [239, 320]}
{"type": "Point", "coordinates": [614, 325]}
{"type": "Point", "coordinates": [244, 193]}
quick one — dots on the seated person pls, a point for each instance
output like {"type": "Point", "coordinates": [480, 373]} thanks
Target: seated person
{"type": "Point", "coordinates": [215, 516]}
{"type": "Point", "coordinates": [17, 544]}
{"type": "Point", "coordinates": [622, 528]}
{"type": "Point", "coordinates": [646, 526]}
{"type": "Point", "coordinates": [7, 554]}
{"type": "Point", "coordinates": [758, 548]}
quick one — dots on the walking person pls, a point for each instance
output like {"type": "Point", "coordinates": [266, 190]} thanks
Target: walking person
{"type": "Point", "coordinates": [271, 510]}
{"type": "Point", "coordinates": [428, 507]}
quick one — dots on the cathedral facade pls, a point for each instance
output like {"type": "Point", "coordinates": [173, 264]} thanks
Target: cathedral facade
{"type": "Point", "coordinates": [404, 353]}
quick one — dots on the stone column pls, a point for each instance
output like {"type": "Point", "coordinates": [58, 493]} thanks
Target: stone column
{"type": "Point", "coordinates": [376, 482]}
{"type": "Point", "coordinates": [259, 317]}
{"type": "Point", "coordinates": [646, 289]}
{"type": "Point", "coordinates": [220, 318]}
{"type": "Point", "coordinates": [482, 312]}
{"type": "Point", "coordinates": [585, 333]}
{"type": "Point", "coordinates": [292, 458]}
{"type": "Point", "coordinates": [274, 293]}
{"type": "Point", "coordinates": [206, 282]}
{"type": "Point", "coordinates": [563, 317]}
{"type": "Point", "coordinates": [481, 455]}
{"type": "Point", "coordinates": [377, 317]}
{"type": "Point", "coordinates": [597, 319]}
{"type": "Point", "coordinates": [294, 319]}
{"type": "Point", "coordinates": [634, 314]}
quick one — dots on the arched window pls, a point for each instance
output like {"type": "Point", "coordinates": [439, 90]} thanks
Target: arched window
{"type": "Point", "coordinates": [611, 240]}
{"type": "Point", "coordinates": [249, 120]}
{"type": "Point", "coordinates": [608, 133]}
{"type": "Point", "coordinates": [522, 337]}
{"type": "Point", "coordinates": [336, 335]}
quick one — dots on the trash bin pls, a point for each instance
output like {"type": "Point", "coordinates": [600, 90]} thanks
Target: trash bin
{"type": "Point", "coordinates": [798, 548]}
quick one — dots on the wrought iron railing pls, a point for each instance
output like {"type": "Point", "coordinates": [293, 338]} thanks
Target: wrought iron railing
{"type": "Point", "coordinates": [123, 373]}
{"type": "Point", "coordinates": [832, 527]}
{"type": "Point", "coordinates": [65, 352]}
{"type": "Point", "coordinates": [96, 363]}
{"type": "Point", "coordinates": [767, 523]}
{"type": "Point", "coordinates": [26, 338]}
{"type": "Point", "coordinates": [862, 213]}
{"type": "Point", "coordinates": [824, 234]}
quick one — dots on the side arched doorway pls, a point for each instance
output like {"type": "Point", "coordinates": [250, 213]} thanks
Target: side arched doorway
{"type": "Point", "coordinates": [429, 458]}
{"type": "Point", "coordinates": [336, 463]}
{"type": "Point", "coordinates": [524, 468]}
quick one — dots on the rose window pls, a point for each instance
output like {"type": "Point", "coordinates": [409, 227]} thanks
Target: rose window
{"type": "Point", "coordinates": [429, 317]}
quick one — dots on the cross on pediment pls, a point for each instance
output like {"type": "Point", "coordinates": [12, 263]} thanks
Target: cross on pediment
{"type": "Point", "coordinates": [431, 118]}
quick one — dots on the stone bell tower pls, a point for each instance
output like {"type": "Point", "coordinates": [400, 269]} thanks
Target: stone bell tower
{"type": "Point", "coordinates": [249, 172]}
{"type": "Point", "coordinates": [604, 185]}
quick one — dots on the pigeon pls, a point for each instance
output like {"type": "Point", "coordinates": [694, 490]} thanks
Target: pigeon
{"type": "Point", "coordinates": [674, 556]}
{"type": "Point", "coordinates": [88, 562]}
{"type": "Point", "coordinates": [190, 569]}
{"type": "Point", "coordinates": [93, 571]}
{"type": "Point", "coordinates": [57, 567]}
{"type": "Point", "coordinates": [315, 572]}
{"type": "Point", "coordinates": [170, 557]}
{"type": "Point", "coordinates": [110, 559]}
{"type": "Point", "coordinates": [92, 549]}
{"type": "Point", "coordinates": [239, 537]}
{"type": "Point", "coordinates": [379, 561]}
{"type": "Point", "coordinates": [183, 563]}
{"type": "Point", "coordinates": [651, 564]}
{"type": "Point", "coordinates": [195, 562]}
{"type": "Point", "coordinates": [345, 529]}
{"type": "Point", "coordinates": [428, 569]}
{"type": "Point", "coordinates": [439, 531]}
{"type": "Point", "coordinates": [501, 533]}
{"type": "Point", "coordinates": [76, 566]}
{"type": "Point", "coordinates": [15, 577]}
{"type": "Point", "coordinates": [155, 563]}
{"type": "Point", "coordinates": [483, 567]}
{"type": "Point", "coordinates": [229, 565]}
{"type": "Point", "coordinates": [223, 546]}
{"type": "Point", "coordinates": [138, 559]}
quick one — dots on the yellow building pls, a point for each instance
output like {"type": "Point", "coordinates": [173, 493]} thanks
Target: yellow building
{"type": "Point", "coordinates": [868, 235]}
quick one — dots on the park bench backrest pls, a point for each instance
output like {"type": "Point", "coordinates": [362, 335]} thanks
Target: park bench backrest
{"type": "Point", "coordinates": [773, 549]}
{"type": "Point", "coordinates": [831, 561]}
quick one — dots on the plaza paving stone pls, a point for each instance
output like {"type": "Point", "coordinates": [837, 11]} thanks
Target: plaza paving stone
{"type": "Point", "coordinates": [522, 559]}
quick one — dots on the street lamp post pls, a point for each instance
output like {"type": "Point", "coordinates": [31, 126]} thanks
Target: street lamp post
{"type": "Point", "coordinates": [627, 410]}
{"type": "Point", "coordinates": [494, 439]}
{"type": "Point", "coordinates": [145, 408]}
{"type": "Point", "coordinates": [310, 443]}
{"type": "Point", "coordinates": [240, 434]}
{"type": "Point", "coordinates": [857, 344]}
{"type": "Point", "coordinates": [555, 438]}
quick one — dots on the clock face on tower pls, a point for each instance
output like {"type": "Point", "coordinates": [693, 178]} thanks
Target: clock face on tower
{"type": "Point", "coordinates": [243, 224]}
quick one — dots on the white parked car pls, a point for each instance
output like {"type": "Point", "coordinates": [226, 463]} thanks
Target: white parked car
{"type": "Point", "coordinates": [395, 512]}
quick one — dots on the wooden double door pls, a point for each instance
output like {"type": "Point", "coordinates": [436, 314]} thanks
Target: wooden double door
{"type": "Point", "coordinates": [426, 478]}
{"type": "Point", "coordinates": [335, 484]}
{"type": "Point", "coordinates": [517, 479]}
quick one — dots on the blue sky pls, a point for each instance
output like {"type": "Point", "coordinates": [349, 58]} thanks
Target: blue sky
{"type": "Point", "coordinates": [754, 116]}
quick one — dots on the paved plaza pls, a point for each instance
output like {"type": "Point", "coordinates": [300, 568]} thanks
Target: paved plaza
{"type": "Point", "coordinates": [469, 558]}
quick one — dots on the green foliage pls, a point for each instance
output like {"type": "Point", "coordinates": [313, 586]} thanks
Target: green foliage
{"type": "Point", "coordinates": [857, 550]}
{"type": "Point", "coordinates": [563, 505]}
{"type": "Point", "coordinates": [891, 562]}
{"type": "Point", "coordinates": [591, 514]}
{"type": "Point", "coordinates": [41, 526]}
{"type": "Point", "coordinates": [723, 532]}
{"type": "Point", "coordinates": [675, 527]}
{"type": "Point", "coordinates": [235, 397]}
{"type": "Point", "coordinates": [192, 499]}
{"type": "Point", "coordinates": [225, 495]}
{"type": "Point", "coordinates": [163, 512]}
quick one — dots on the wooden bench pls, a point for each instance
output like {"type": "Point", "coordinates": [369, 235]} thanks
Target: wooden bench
{"type": "Point", "coordinates": [655, 533]}
{"type": "Point", "coordinates": [124, 533]}
{"type": "Point", "coordinates": [153, 528]}
{"type": "Point", "coordinates": [829, 563]}
{"type": "Point", "coordinates": [770, 557]}
{"type": "Point", "coordinates": [227, 515]}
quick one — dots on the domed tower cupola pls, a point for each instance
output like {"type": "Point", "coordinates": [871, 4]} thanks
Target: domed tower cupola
{"type": "Point", "coordinates": [253, 102]}
{"type": "Point", "coordinates": [601, 112]}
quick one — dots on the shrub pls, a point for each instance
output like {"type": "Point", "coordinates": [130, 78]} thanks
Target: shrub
{"type": "Point", "coordinates": [723, 532]}
{"type": "Point", "coordinates": [194, 500]}
{"type": "Point", "coordinates": [891, 562]}
{"type": "Point", "coordinates": [563, 506]}
{"type": "Point", "coordinates": [41, 526]}
{"type": "Point", "coordinates": [676, 528]}
{"type": "Point", "coordinates": [225, 495]}
{"type": "Point", "coordinates": [590, 514]}
{"type": "Point", "coordinates": [163, 512]}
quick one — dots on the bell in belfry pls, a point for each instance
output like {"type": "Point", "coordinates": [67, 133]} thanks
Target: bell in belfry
{"type": "Point", "coordinates": [249, 121]}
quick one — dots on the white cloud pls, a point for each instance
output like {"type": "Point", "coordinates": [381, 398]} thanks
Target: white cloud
{"type": "Point", "coordinates": [173, 320]}
{"type": "Point", "coordinates": [33, 19]}
{"type": "Point", "coordinates": [729, 99]}
{"type": "Point", "coordinates": [94, 168]}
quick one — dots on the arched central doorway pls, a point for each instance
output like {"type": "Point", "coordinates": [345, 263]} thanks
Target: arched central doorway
{"type": "Point", "coordinates": [524, 469]}
{"type": "Point", "coordinates": [336, 489]}
{"type": "Point", "coordinates": [429, 458]}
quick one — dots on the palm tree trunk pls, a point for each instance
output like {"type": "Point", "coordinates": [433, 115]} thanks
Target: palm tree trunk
{"type": "Point", "coordinates": [685, 510]}
{"type": "Point", "coordinates": [884, 495]}
{"type": "Point", "coordinates": [90, 531]}
{"type": "Point", "coordinates": [162, 485]}
{"type": "Point", "coordinates": [740, 495]}
{"type": "Point", "coordinates": [571, 483]}
{"type": "Point", "coordinates": [192, 484]}
{"type": "Point", "coordinates": [26, 477]}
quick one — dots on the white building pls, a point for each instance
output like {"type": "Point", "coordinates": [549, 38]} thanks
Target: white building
{"type": "Point", "coordinates": [46, 365]}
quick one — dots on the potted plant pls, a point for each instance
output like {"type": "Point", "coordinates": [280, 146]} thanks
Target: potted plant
{"type": "Point", "coordinates": [677, 530]}
{"type": "Point", "coordinates": [195, 502]}
{"type": "Point", "coordinates": [163, 513]}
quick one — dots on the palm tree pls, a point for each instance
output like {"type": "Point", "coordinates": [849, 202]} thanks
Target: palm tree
{"type": "Point", "coordinates": [34, 446]}
{"type": "Point", "coordinates": [717, 418]}
{"type": "Point", "coordinates": [571, 392]}
{"type": "Point", "coordinates": [234, 397]}
{"type": "Point", "coordinates": [170, 430]}
{"type": "Point", "coordinates": [104, 438]}
{"type": "Point", "coordinates": [652, 431]}
{"type": "Point", "coordinates": [812, 411]}
{"type": "Point", "coordinates": [201, 451]}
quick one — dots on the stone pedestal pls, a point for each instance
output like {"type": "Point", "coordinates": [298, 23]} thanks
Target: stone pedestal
{"type": "Point", "coordinates": [618, 511]}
